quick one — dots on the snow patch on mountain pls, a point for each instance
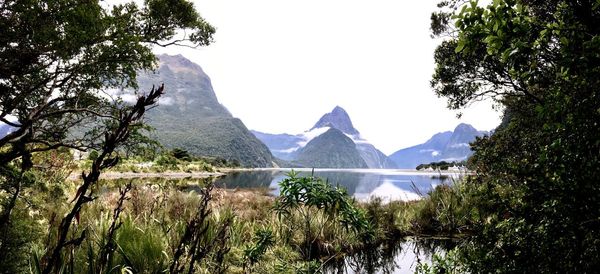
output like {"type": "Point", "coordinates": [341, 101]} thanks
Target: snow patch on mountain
{"type": "Point", "coordinates": [311, 134]}
{"type": "Point", "coordinates": [460, 145]}
{"type": "Point", "coordinates": [289, 150]}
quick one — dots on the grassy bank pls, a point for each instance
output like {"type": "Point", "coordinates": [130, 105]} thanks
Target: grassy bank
{"type": "Point", "coordinates": [156, 225]}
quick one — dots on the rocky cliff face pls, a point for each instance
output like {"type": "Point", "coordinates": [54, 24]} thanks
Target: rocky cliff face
{"type": "Point", "coordinates": [337, 118]}
{"type": "Point", "coordinates": [189, 116]}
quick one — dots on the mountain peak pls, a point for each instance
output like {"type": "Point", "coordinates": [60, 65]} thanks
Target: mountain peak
{"type": "Point", "coordinates": [338, 118]}
{"type": "Point", "coordinates": [332, 149]}
{"type": "Point", "coordinates": [464, 127]}
{"type": "Point", "coordinates": [338, 109]}
{"type": "Point", "coordinates": [178, 63]}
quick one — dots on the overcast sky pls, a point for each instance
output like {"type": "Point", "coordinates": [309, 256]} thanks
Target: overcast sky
{"type": "Point", "coordinates": [280, 65]}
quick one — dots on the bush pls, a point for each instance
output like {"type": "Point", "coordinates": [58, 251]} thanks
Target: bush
{"type": "Point", "coordinates": [313, 199]}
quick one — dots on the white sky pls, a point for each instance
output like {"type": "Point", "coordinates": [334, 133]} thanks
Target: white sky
{"type": "Point", "coordinates": [279, 65]}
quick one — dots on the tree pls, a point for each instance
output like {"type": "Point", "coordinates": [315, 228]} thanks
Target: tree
{"type": "Point", "coordinates": [181, 154]}
{"type": "Point", "coordinates": [538, 173]}
{"type": "Point", "coordinates": [58, 61]}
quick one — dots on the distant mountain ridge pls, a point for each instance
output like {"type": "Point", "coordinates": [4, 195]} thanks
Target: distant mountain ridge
{"type": "Point", "coordinates": [449, 146]}
{"type": "Point", "coordinates": [189, 116]}
{"type": "Point", "coordinates": [294, 148]}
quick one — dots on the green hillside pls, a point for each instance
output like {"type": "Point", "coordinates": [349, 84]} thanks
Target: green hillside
{"type": "Point", "coordinates": [189, 116]}
{"type": "Point", "coordinates": [332, 149]}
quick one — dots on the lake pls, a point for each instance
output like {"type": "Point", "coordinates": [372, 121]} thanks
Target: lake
{"type": "Point", "coordinates": [393, 258]}
{"type": "Point", "coordinates": [362, 184]}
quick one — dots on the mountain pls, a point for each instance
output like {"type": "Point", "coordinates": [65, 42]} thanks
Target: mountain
{"type": "Point", "coordinates": [337, 118]}
{"type": "Point", "coordinates": [332, 149]}
{"type": "Point", "coordinates": [458, 148]}
{"type": "Point", "coordinates": [447, 146]}
{"type": "Point", "coordinates": [288, 147]}
{"type": "Point", "coordinates": [190, 117]}
{"type": "Point", "coordinates": [373, 156]}
{"type": "Point", "coordinates": [283, 146]}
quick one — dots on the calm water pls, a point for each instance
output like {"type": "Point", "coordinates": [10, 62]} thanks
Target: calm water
{"type": "Point", "coordinates": [362, 184]}
{"type": "Point", "coordinates": [394, 258]}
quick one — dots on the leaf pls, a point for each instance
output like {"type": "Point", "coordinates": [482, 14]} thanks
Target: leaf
{"type": "Point", "coordinates": [460, 46]}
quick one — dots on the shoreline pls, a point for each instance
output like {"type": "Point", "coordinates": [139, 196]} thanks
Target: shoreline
{"type": "Point", "coordinates": [357, 170]}
{"type": "Point", "coordinates": [112, 175]}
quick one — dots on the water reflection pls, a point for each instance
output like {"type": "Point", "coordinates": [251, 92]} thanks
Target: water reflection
{"type": "Point", "coordinates": [395, 257]}
{"type": "Point", "coordinates": [245, 179]}
{"type": "Point", "coordinates": [392, 257]}
{"type": "Point", "coordinates": [362, 184]}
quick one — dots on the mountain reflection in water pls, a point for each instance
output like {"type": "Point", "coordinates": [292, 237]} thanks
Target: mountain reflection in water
{"type": "Point", "coordinates": [363, 184]}
{"type": "Point", "coordinates": [397, 257]}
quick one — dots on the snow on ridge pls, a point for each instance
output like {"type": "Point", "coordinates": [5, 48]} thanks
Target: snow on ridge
{"type": "Point", "coordinates": [460, 145]}
{"type": "Point", "coordinates": [357, 139]}
{"type": "Point", "coordinates": [287, 150]}
{"type": "Point", "coordinates": [311, 134]}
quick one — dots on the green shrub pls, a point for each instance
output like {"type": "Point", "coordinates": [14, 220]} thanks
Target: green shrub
{"type": "Point", "coordinates": [319, 204]}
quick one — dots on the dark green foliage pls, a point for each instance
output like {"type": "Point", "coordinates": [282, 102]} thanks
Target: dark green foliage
{"type": "Point", "coordinates": [224, 138]}
{"type": "Point", "coordinates": [58, 58]}
{"type": "Point", "coordinates": [166, 160]}
{"type": "Point", "coordinates": [331, 149]}
{"type": "Point", "coordinates": [537, 186]}
{"type": "Point", "coordinates": [263, 240]}
{"type": "Point", "coordinates": [447, 211]}
{"type": "Point", "coordinates": [443, 165]}
{"type": "Point", "coordinates": [93, 155]}
{"type": "Point", "coordinates": [181, 154]}
{"type": "Point", "coordinates": [384, 217]}
{"type": "Point", "coordinates": [140, 250]}
{"type": "Point", "coordinates": [17, 240]}
{"type": "Point", "coordinates": [305, 195]}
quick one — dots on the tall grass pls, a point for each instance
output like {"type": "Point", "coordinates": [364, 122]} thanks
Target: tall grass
{"type": "Point", "coordinates": [157, 214]}
{"type": "Point", "coordinates": [446, 210]}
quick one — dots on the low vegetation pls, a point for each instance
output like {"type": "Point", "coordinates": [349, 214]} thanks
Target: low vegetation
{"type": "Point", "coordinates": [158, 225]}
{"type": "Point", "coordinates": [442, 165]}
{"type": "Point", "coordinates": [176, 160]}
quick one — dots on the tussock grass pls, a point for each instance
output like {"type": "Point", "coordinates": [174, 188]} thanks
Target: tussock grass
{"type": "Point", "coordinates": [157, 213]}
